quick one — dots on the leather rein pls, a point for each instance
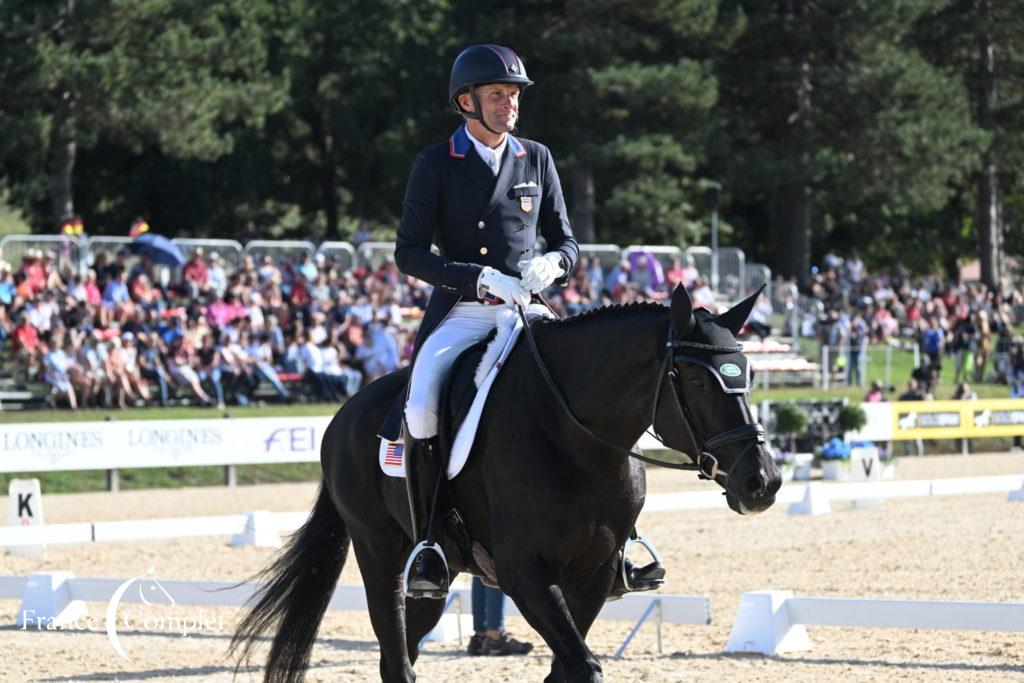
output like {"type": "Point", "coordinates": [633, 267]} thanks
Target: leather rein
{"type": "Point", "coordinates": [706, 463]}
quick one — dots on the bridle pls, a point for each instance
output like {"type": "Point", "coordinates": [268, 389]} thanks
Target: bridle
{"type": "Point", "coordinates": [706, 462]}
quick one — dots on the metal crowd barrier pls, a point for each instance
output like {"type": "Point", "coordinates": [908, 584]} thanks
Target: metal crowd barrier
{"type": "Point", "coordinates": [68, 250]}
{"type": "Point", "coordinates": [342, 254]}
{"type": "Point", "coordinates": [293, 250]}
{"type": "Point", "coordinates": [230, 251]}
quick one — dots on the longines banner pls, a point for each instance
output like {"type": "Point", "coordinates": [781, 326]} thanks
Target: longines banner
{"type": "Point", "coordinates": [159, 443]}
{"type": "Point", "coordinates": [957, 419]}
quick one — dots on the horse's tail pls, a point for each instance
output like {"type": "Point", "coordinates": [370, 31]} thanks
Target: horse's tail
{"type": "Point", "coordinates": [296, 590]}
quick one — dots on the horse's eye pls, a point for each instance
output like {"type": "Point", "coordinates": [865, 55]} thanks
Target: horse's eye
{"type": "Point", "coordinates": [697, 382]}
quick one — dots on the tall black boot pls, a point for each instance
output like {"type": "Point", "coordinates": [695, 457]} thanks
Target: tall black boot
{"type": "Point", "coordinates": [426, 571]}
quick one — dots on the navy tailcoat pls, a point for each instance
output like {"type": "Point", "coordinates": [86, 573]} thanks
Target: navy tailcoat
{"type": "Point", "coordinates": [454, 200]}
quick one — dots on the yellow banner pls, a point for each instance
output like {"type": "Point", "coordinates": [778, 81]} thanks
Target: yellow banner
{"type": "Point", "coordinates": [957, 419]}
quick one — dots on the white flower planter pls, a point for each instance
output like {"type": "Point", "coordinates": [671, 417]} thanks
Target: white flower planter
{"type": "Point", "coordinates": [802, 466]}
{"type": "Point", "coordinates": [835, 470]}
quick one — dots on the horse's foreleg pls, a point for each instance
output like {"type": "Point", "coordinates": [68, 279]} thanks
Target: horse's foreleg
{"type": "Point", "coordinates": [380, 565]}
{"type": "Point", "coordinates": [530, 583]}
{"type": "Point", "coordinates": [421, 616]}
{"type": "Point", "coordinates": [585, 602]}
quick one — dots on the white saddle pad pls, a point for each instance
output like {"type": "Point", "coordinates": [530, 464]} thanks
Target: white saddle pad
{"type": "Point", "coordinates": [509, 325]}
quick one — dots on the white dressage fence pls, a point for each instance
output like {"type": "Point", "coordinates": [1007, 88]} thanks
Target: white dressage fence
{"type": "Point", "coordinates": [773, 622]}
{"type": "Point", "coordinates": [262, 528]}
{"type": "Point", "coordinates": [56, 599]}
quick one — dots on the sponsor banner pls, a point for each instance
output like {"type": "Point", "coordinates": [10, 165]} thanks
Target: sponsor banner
{"type": "Point", "coordinates": [957, 419]}
{"type": "Point", "coordinates": [159, 443]}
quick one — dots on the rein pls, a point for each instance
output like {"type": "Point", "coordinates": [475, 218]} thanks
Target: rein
{"type": "Point", "coordinates": [705, 463]}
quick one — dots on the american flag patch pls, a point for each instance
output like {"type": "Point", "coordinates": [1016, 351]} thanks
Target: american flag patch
{"type": "Point", "coordinates": [393, 454]}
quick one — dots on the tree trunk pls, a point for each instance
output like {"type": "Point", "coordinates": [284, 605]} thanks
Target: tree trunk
{"type": "Point", "coordinates": [582, 179]}
{"type": "Point", "coordinates": [63, 142]}
{"type": "Point", "coordinates": [62, 166]}
{"type": "Point", "coordinates": [794, 217]}
{"type": "Point", "coordinates": [990, 231]}
{"type": "Point", "coordinates": [328, 174]}
{"type": "Point", "coordinates": [794, 243]}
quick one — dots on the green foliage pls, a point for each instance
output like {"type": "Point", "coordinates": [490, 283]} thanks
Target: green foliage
{"type": "Point", "coordinates": [827, 122]}
{"type": "Point", "coordinates": [852, 418]}
{"type": "Point", "coordinates": [790, 419]}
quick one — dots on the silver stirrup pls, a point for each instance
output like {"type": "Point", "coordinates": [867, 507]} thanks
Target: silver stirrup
{"type": "Point", "coordinates": [412, 558]}
{"type": "Point", "coordinates": [642, 540]}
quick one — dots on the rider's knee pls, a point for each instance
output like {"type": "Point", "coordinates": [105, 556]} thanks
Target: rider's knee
{"type": "Point", "coordinates": [421, 421]}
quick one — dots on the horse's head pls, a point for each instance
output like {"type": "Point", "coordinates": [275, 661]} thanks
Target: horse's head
{"type": "Point", "coordinates": [708, 414]}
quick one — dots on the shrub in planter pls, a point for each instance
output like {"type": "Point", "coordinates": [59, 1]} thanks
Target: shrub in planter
{"type": "Point", "coordinates": [852, 418]}
{"type": "Point", "coordinates": [790, 420]}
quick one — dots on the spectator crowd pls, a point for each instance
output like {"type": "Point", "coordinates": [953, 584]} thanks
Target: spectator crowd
{"type": "Point", "coordinates": [126, 332]}
{"type": "Point", "coordinates": [122, 332]}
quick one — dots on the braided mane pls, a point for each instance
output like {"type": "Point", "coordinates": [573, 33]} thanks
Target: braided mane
{"type": "Point", "coordinates": [614, 309]}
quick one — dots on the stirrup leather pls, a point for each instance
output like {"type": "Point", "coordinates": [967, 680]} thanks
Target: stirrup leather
{"type": "Point", "coordinates": [643, 585]}
{"type": "Point", "coordinates": [409, 593]}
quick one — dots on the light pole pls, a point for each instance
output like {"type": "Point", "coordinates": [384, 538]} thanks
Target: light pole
{"type": "Point", "coordinates": [714, 189]}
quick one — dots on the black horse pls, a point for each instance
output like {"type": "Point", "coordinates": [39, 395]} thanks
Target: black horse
{"type": "Point", "coordinates": [549, 491]}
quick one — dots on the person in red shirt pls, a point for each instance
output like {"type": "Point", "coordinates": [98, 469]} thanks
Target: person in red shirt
{"type": "Point", "coordinates": [196, 273]}
{"type": "Point", "coordinates": [26, 338]}
{"type": "Point", "coordinates": [32, 267]}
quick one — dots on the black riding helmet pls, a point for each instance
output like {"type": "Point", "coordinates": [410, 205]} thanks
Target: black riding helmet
{"type": "Point", "coordinates": [480, 65]}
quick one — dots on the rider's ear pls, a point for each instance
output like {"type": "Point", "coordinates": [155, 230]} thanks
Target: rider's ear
{"type": "Point", "coordinates": [682, 311]}
{"type": "Point", "coordinates": [735, 317]}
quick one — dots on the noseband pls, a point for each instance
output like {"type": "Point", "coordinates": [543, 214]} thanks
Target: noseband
{"type": "Point", "coordinates": [706, 462]}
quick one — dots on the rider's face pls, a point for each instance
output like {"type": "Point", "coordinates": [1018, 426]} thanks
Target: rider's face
{"type": "Point", "coordinates": [499, 104]}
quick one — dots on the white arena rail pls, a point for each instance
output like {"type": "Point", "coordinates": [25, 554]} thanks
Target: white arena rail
{"type": "Point", "coordinates": [57, 598]}
{"type": "Point", "coordinates": [262, 528]}
{"type": "Point", "coordinates": [773, 622]}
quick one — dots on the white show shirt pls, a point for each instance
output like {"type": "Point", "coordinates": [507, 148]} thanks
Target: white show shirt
{"type": "Point", "coordinates": [491, 157]}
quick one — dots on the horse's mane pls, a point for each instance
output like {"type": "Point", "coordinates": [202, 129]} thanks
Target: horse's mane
{"type": "Point", "coordinates": [609, 311]}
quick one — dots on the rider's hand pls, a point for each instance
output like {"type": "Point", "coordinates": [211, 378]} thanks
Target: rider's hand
{"type": "Point", "coordinates": [502, 286]}
{"type": "Point", "coordinates": [538, 273]}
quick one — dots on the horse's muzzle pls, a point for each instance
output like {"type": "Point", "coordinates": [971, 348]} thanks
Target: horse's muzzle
{"type": "Point", "coordinates": [755, 492]}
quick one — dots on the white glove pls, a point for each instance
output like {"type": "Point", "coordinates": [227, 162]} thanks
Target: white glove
{"type": "Point", "coordinates": [496, 284]}
{"type": "Point", "coordinates": [539, 272]}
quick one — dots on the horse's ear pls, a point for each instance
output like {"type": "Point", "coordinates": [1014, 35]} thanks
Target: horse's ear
{"type": "Point", "coordinates": [734, 319]}
{"type": "Point", "coordinates": [682, 311]}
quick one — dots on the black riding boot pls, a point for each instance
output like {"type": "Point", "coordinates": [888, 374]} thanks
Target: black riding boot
{"type": "Point", "coordinates": [426, 571]}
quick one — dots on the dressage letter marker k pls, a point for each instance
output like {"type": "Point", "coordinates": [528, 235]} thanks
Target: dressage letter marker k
{"type": "Point", "coordinates": [23, 505]}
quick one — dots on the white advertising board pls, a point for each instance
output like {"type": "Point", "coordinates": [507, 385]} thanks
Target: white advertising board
{"type": "Point", "coordinates": [159, 443]}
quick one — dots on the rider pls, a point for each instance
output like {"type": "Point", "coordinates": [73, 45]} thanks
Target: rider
{"type": "Point", "coordinates": [482, 196]}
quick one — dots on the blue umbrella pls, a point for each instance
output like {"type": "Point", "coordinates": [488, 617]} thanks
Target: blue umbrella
{"type": "Point", "coordinates": [159, 248]}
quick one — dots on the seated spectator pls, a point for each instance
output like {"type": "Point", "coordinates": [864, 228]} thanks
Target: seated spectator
{"type": "Point", "coordinates": [876, 393]}
{"type": "Point", "coordinates": [379, 352]}
{"type": "Point", "coordinates": [55, 372]}
{"type": "Point", "coordinates": [151, 364]}
{"type": "Point", "coordinates": [117, 302]}
{"type": "Point", "coordinates": [145, 295]}
{"type": "Point", "coordinates": [211, 369]}
{"type": "Point", "coordinates": [132, 370]}
{"type": "Point", "coordinates": [117, 372]}
{"type": "Point", "coordinates": [262, 356]}
{"type": "Point", "coordinates": [343, 378]}
{"type": "Point", "coordinates": [181, 362]}
{"type": "Point", "coordinates": [196, 274]}
{"type": "Point", "coordinates": [217, 277]}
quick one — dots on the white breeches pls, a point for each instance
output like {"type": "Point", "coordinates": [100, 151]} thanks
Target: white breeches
{"type": "Point", "coordinates": [467, 324]}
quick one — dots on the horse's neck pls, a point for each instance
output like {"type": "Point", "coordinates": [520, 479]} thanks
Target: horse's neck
{"type": "Point", "coordinates": [607, 370]}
